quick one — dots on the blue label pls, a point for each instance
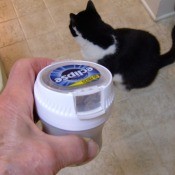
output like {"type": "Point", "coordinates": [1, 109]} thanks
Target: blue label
{"type": "Point", "coordinates": [74, 75]}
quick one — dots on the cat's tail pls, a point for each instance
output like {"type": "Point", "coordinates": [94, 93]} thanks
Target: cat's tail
{"type": "Point", "coordinates": [169, 57]}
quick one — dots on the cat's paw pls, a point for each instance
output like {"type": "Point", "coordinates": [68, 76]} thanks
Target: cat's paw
{"type": "Point", "coordinates": [119, 86]}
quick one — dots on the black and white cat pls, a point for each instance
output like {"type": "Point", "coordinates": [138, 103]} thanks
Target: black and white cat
{"type": "Point", "coordinates": [132, 56]}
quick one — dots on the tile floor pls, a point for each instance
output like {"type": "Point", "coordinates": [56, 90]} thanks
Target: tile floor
{"type": "Point", "coordinates": [139, 139]}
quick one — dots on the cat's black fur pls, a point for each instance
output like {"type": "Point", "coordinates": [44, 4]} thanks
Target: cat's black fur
{"type": "Point", "coordinates": [137, 58]}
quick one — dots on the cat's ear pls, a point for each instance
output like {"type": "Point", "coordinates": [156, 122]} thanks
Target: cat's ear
{"type": "Point", "coordinates": [91, 6]}
{"type": "Point", "coordinates": [72, 18]}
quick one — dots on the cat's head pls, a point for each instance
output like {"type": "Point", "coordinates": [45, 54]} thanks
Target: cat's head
{"type": "Point", "coordinates": [86, 22]}
{"type": "Point", "coordinates": [93, 35]}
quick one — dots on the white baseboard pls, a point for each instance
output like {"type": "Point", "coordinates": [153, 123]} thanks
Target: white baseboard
{"type": "Point", "coordinates": [165, 16]}
{"type": "Point", "coordinates": [156, 18]}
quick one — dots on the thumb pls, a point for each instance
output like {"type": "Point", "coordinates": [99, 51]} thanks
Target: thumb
{"type": "Point", "coordinates": [73, 150]}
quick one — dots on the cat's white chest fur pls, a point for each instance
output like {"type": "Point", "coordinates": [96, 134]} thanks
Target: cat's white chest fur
{"type": "Point", "coordinates": [91, 51]}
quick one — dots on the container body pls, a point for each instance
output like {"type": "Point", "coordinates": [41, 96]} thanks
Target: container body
{"type": "Point", "coordinates": [94, 133]}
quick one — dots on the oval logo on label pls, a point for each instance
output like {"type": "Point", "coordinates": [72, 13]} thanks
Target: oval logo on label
{"type": "Point", "coordinates": [74, 75]}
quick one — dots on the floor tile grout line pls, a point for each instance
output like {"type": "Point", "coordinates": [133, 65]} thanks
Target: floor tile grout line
{"type": "Point", "coordinates": [50, 14]}
{"type": "Point", "coordinates": [26, 38]}
{"type": "Point", "coordinates": [51, 17]}
{"type": "Point", "coordinates": [8, 20]}
{"type": "Point", "coordinates": [21, 27]}
{"type": "Point", "coordinates": [13, 43]}
{"type": "Point", "coordinates": [18, 17]}
{"type": "Point", "coordinates": [14, 9]}
{"type": "Point", "coordinates": [34, 12]}
{"type": "Point", "coordinates": [55, 24]}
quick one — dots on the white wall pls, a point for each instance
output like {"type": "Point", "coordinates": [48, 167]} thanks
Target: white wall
{"type": "Point", "coordinates": [160, 9]}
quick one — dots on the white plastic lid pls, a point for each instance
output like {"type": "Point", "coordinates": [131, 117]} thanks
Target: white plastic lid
{"type": "Point", "coordinates": [74, 95]}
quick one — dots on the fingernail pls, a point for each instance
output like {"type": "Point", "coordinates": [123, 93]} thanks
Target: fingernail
{"type": "Point", "coordinates": [93, 149]}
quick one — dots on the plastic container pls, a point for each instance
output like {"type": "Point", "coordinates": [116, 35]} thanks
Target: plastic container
{"type": "Point", "coordinates": [74, 97]}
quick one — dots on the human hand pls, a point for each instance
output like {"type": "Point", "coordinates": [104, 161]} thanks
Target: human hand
{"type": "Point", "coordinates": [24, 148]}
